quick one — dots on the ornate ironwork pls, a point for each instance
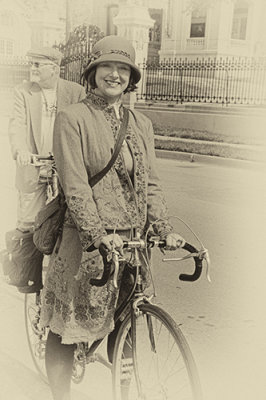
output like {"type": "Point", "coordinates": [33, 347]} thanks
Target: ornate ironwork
{"type": "Point", "coordinates": [77, 51]}
{"type": "Point", "coordinates": [227, 80]}
{"type": "Point", "coordinates": [224, 80]}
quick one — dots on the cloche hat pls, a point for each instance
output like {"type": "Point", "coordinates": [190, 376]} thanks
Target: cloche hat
{"type": "Point", "coordinates": [49, 53]}
{"type": "Point", "coordinates": [113, 48]}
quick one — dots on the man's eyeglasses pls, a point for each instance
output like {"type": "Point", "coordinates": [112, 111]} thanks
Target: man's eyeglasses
{"type": "Point", "coordinates": [38, 64]}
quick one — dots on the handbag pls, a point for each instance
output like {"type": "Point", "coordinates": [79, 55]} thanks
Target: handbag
{"type": "Point", "coordinates": [22, 262]}
{"type": "Point", "coordinates": [49, 221]}
{"type": "Point", "coordinates": [48, 224]}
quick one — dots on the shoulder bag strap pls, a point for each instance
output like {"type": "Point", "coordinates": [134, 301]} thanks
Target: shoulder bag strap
{"type": "Point", "coordinates": [120, 138]}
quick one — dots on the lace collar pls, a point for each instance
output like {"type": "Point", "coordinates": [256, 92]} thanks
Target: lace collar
{"type": "Point", "coordinates": [100, 102]}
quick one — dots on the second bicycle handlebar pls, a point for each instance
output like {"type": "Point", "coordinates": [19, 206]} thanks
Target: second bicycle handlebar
{"type": "Point", "coordinates": [150, 243]}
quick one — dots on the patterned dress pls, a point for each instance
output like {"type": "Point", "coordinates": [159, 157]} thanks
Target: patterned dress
{"type": "Point", "coordinates": [72, 307]}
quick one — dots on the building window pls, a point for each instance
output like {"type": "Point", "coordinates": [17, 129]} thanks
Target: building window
{"type": "Point", "coordinates": [6, 18]}
{"type": "Point", "coordinates": [112, 11]}
{"type": "Point", "coordinates": [6, 47]}
{"type": "Point", "coordinates": [198, 24]}
{"type": "Point", "coordinates": [156, 31]}
{"type": "Point", "coordinates": [2, 46]}
{"type": "Point", "coordinates": [240, 19]}
{"type": "Point", "coordinates": [9, 47]}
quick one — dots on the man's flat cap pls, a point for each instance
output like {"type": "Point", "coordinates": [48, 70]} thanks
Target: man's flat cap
{"type": "Point", "coordinates": [46, 52]}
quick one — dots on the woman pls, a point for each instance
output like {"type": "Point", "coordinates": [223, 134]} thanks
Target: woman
{"type": "Point", "coordinates": [128, 198]}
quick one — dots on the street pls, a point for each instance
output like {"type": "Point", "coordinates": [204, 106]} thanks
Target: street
{"type": "Point", "coordinates": [223, 321]}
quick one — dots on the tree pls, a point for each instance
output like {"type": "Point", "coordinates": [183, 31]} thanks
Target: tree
{"type": "Point", "coordinates": [83, 35]}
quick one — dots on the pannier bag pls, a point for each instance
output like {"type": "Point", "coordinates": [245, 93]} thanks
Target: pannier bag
{"type": "Point", "coordinates": [22, 262]}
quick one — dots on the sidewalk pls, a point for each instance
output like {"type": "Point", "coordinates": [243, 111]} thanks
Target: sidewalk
{"type": "Point", "coordinates": [221, 150]}
{"type": "Point", "coordinates": [210, 108]}
{"type": "Point", "coordinates": [212, 160]}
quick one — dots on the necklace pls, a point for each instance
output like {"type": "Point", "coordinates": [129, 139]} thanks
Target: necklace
{"type": "Point", "coordinates": [50, 102]}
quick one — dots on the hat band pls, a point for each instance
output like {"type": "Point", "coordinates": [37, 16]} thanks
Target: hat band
{"type": "Point", "coordinates": [99, 53]}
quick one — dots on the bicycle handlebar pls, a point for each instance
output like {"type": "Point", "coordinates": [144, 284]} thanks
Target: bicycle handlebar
{"type": "Point", "coordinates": [151, 243]}
{"type": "Point", "coordinates": [106, 270]}
{"type": "Point", "coordinates": [37, 157]}
{"type": "Point", "coordinates": [198, 265]}
{"type": "Point", "coordinates": [39, 161]}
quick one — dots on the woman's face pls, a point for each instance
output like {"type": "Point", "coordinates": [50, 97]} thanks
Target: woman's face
{"type": "Point", "coordinates": [112, 79]}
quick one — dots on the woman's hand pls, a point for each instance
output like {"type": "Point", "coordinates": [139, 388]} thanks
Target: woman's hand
{"type": "Point", "coordinates": [111, 241]}
{"type": "Point", "coordinates": [174, 241]}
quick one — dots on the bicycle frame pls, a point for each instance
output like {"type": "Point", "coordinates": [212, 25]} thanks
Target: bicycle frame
{"type": "Point", "coordinates": [136, 296]}
{"type": "Point", "coordinates": [135, 311]}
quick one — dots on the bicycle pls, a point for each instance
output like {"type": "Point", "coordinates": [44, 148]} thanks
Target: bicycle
{"type": "Point", "coordinates": [32, 305]}
{"type": "Point", "coordinates": [151, 358]}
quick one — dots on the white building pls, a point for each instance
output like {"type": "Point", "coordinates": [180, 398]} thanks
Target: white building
{"type": "Point", "coordinates": [25, 24]}
{"type": "Point", "coordinates": [210, 28]}
{"type": "Point", "coordinates": [222, 28]}
{"type": "Point", "coordinates": [48, 22]}
{"type": "Point", "coordinates": [15, 31]}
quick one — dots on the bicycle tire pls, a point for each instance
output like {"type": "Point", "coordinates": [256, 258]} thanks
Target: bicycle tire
{"type": "Point", "coordinates": [37, 341]}
{"type": "Point", "coordinates": [177, 367]}
{"type": "Point", "coordinates": [36, 337]}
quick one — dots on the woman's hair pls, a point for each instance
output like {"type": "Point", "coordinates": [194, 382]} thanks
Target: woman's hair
{"type": "Point", "coordinates": [92, 83]}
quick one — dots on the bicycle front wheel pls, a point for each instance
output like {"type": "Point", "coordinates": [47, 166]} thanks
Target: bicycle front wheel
{"type": "Point", "coordinates": [152, 359]}
{"type": "Point", "coordinates": [36, 336]}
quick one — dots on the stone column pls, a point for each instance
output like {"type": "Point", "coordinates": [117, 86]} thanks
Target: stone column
{"type": "Point", "coordinates": [133, 22]}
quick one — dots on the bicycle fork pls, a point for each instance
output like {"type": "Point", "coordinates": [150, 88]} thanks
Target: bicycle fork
{"type": "Point", "coordinates": [137, 318]}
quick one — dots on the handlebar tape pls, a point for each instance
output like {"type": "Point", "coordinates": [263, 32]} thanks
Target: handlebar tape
{"type": "Point", "coordinates": [198, 265]}
{"type": "Point", "coordinates": [183, 277]}
{"type": "Point", "coordinates": [107, 268]}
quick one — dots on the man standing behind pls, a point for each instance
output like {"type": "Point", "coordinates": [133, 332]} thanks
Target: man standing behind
{"type": "Point", "coordinates": [31, 127]}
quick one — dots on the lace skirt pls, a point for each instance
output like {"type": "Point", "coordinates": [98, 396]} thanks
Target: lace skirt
{"type": "Point", "coordinates": [71, 306]}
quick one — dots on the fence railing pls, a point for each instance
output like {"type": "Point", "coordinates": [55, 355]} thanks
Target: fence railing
{"type": "Point", "coordinates": [73, 66]}
{"type": "Point", "coordinates": [224, 80]}
{"type": "Point", "coordinates": [77, 51]}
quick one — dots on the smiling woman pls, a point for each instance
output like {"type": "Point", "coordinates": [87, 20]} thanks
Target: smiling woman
{"type": "Point", "coordinates": [121, 205]}
{"type": "Point", "coordinates": [112, 79]}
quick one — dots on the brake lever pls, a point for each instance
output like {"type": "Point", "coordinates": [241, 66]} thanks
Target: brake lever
{"type": "Point", "coordinates": [202, 254]}
{"type": "Point", "coordinates": [115, 260]}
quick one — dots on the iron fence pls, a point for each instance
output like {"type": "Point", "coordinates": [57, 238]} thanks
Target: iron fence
{"type": "Point", "coordinates": [77, 51]}
{"type": "Point", "coordinates": [224, 80]}
{"type": "Point", "coordinates": [73, 65]}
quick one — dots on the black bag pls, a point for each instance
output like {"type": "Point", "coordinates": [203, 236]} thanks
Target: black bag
{"type": "Point", "coordinates": [48, 224]}
{"type": "Point", "coordinates": [22, 262]}
{"type": "Point", "coordinates": [49, 221]}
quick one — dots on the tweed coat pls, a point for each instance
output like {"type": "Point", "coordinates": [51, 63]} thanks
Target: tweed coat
{"type": "Point", "coordinates": [84, 138]}
{"type": "Point", "coordinates": [25, 124]}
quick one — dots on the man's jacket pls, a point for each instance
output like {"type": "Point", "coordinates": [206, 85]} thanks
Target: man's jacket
{"type": "Point", "coordinates": [25, 124]}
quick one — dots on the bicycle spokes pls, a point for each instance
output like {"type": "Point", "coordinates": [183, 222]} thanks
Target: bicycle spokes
{"type": "Point", "coordinates": [154, 360]}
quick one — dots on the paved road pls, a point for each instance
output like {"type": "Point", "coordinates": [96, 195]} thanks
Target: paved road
{"type": "Point", "coordinates": [223, 321]}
